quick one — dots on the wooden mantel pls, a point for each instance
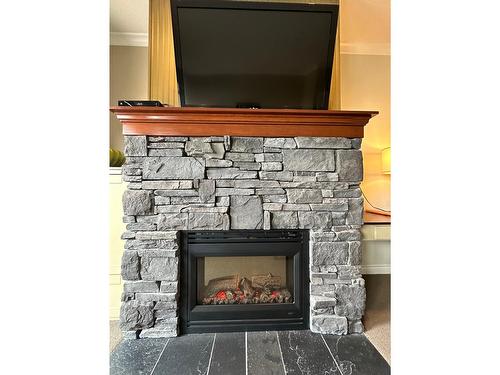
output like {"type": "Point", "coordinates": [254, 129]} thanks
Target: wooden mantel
{"type": "Point", "coordinates": [190, 121]}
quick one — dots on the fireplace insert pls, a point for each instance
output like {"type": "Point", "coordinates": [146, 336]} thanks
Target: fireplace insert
{"type": "Point", "coordinates": [244, 280]}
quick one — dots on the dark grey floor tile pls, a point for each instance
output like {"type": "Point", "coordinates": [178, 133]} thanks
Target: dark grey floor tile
{"type": "Point", "coordinates": [186, 355]}
{"type": "Point", "coordinates": [356, 355]}
{"type": "Point", "coordinates": [305, 352]}
{"type": "Point", "coordinates": [136, 357]}
{"type": "Point", "coordinates": [228, 357]}
{"type": "Point", "coordinates": [263, 354]}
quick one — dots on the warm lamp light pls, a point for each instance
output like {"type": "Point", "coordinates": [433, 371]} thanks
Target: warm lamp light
{"type": "Point", "coordinates": [386, 160]}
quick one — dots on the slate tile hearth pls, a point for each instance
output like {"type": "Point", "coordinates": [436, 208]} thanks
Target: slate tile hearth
{"type": "Point", "coordinates": [249, 353]}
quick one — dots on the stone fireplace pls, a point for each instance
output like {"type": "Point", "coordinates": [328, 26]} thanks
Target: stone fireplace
{"type": "Point", "coordinates": [180, 184]}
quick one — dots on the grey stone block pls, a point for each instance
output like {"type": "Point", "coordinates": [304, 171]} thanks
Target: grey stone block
{"type": "Point", "coordinates": [349, 165]}
{"type": "Point", "coordinates": [269, 157]}
{"type": "Point", "coordinates": [350, 193]}
{"type": "Point", "coordinates": [198, 147]}
{"type": "Point", "coordinates": [177, 193]}
{"type": "Point", "coordinates": [168, 287]}
{"type": "Point", "coordinates": [329, 253]}
{"type": "Point", "coordinates": [280, 143]}
{"type": "Point", "coordinates": [269, 191]}
{"type": "Point", "coordinates": [131, 170]}
{"type": "Point", "coordinates": [272, 206]}
{"type": "Point", "coordinates": [339, 204]}
{"type": "Point", "coordinates": [240, 156]}
{"type": "Point", "coordinates": [247, 165]}
{"type": "Point", "coordinates": [284, 220]}
{"type": "Point", "coordinates": [182, 200]}
{"type": "Point", "coordinates": [155, 235]}
{"type": "Point", "coordinates": [140, 286]}
{"type": "Point", "coordinates": [350, 301]}
{"type": "Point", "coordinates": [173, 168]}
{"type": "Point", "coordinates": [206, 190]}
{"type": "Point", "coordinates": [356, 143]}
{"type": "Point", "coordinates": [280, 176]}
{"type": "Point", "coordinates": [323, 142]}
{"type": "Point", "coordinates": [150, 244]}
{"type": "Point", "coordinates": [329, 324]}
{"type": "Point", "coordinates": [348, 272]}
{"type": "Point", "coordinates": [167, 185]}
{"type": "Point", "coordinates": [141, 226]}
{"type": "Point", "coordinates": [217, 163]}
{"type": "Point", "coordinates": [174, 208]}
{"type": "Point", "coordinates": [297, 178]}
{"type": "Point", "coordinates": [165, 152]}
{"type": "Point", "coordinates": [356, 326]}
{"type": "Point", "coordinates": [230, 173]}
{"type": "Point", "coordinates": [135, 145]}
{"type": "Point", "coordinates": [222, 201]}
{"type": "Point", "coordinates": [348, 235]}
{"type": "Point", "coordinates": [208, 221]}
{"type": "Point", "coordinates": [309, 160]}
{"type": "Point", "coordinates": [272, 166]}
{"type": "Point", "coordinates": [246, 212]}
{"type": "Point", "coordinates": [304, 196]}
{"type": "Point", "coordinates": [166, 145]}
{"type": "Point", "coordinates": [127, 235]}
{"type": "Point", "coordinates": [226, 183]}
{"type": "Point", "coordinates": [296, 207]}
{"type": "Point", "coordinates": [315, 220]}
{"type": "Point", "coordinates": [167, 139]}
{"type": "Point", "coordinates": [155, 297]}
{"type": "Point", "coordinates": [322, 302]}
{"type": "Point", "coordinates": [233, 191]}
{"type": "Point", "coordinates": [205, 209]}
{"type": "Point", "coordinates": [131, 178]}
{"type": "Point", "coordinates": [267, 220]}
{"type": "Point", "coordinates": [247, 144]}
{"type": "Point", "coordinates": [274, 198]}
{"type": "Point", "coordinates": [246, 184]}
{"type": "Point", "coordinates": [327, 176]}
{"type": "Point", "coordinates": [355, 213]}
{"type": "Point", "coordinates": [156, 333]}
{"type": "Point", "coordinates": [137, 202]}
{"type": "Point", "coordinates": [134, 186]}
{"type": "Point", "coordinates": [130, 265]}
{"type": "Point", "coordinates": [128, 219]}
{"type": "Point", "coordinates": [159, 268]}
{"type": "Point", "coordinates": [314, 185]}
{"type": "Point", "coordinates": [135, 315]}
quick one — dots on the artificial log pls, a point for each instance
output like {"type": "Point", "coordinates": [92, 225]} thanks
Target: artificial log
{"type": "Point", "coordinates": [222, 283]}
{"type": "Point", "coordinates": [246, 287]}
{"type": "Point", "coordinates": [266, 281]}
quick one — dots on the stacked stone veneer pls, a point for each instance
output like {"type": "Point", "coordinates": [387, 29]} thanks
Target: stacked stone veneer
{"type": "Point", "coordinates": [222, 183]}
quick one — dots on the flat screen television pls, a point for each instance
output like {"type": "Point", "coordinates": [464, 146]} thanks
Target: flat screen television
{"type": "Point", "coordinates": [253, 54]}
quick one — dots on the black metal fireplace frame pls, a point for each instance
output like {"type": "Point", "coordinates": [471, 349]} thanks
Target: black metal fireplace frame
{"type": "Point", "coordinates": [196, 318]}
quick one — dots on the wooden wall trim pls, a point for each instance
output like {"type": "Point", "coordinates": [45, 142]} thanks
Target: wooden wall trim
{"type": "Point", "coordinates": [187, 121]}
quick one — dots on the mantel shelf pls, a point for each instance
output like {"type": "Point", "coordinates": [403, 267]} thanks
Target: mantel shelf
{"type": "Point", "coordinates": [189, 121]}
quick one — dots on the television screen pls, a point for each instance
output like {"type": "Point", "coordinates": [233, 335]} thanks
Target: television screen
{"type": "Point", "coordinates": [250, 54]}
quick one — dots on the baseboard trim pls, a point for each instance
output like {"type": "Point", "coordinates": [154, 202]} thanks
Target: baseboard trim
{"type": "Point", "coordinates": [376, 269]}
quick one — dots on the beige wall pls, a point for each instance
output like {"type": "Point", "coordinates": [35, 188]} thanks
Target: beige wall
{"type": "Point", "coordinates": [366, 86]}
{"type": "Point", "coordinates": [128, 79]}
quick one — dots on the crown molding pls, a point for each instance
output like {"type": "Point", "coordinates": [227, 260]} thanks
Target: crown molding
{"type": "Point", "coordinates": [383, 49]}
{"type": "Point", "coordinates": [128, 39]}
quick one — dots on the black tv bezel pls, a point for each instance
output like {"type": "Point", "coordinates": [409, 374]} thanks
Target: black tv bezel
{"type": "Point", "coordinates": [333, 9]}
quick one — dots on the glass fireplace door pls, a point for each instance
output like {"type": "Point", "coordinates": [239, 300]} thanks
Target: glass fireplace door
{"type": "Point", "coordinates": [231, 280]}
{"type": "Point", "coordinates": [244, 280]}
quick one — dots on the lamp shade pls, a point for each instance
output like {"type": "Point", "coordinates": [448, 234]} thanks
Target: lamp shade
{"type": "Point", "coordinates": [386, 160]}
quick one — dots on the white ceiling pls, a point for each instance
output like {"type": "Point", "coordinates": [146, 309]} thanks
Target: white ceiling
{"type": "Point", "coordinates": [365, 25]}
